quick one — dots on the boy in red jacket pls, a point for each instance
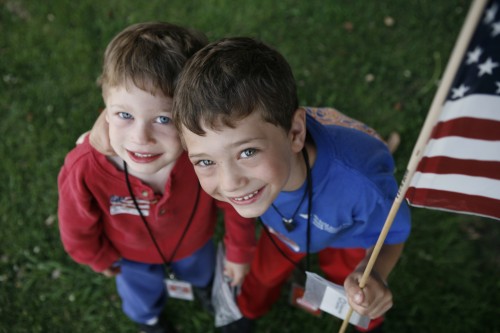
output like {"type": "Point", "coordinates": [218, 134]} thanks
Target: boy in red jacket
{"type": "Point", "coordinates": [142, 211]}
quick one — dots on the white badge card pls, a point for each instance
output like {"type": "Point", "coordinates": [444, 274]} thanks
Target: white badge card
{"type": "Point", "coordinates": [179, 289]}
{"type": "Point", "coordinates": [296, 299]}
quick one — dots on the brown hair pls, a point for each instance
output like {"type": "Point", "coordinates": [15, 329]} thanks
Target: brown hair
{"type": "Point", "coordinates": [228, 80]}
{"type": "Point", "coordinates": [150, 55]}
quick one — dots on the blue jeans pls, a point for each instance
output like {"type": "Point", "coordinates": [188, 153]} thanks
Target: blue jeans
{"type": "Point", "coordinates": [142, 289]}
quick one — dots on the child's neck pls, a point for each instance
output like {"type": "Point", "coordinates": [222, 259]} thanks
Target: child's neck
{"type": "Point", "coordinates": [156, 181]}
{"type": "Point", "coordinates": [299, 168]}
{"type": "Point", "coordinates": [311, 151]}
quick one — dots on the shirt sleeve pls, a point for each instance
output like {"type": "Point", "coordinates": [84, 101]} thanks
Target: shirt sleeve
{"type": "Point", "coordinates": [239, 238]}
{"type": "Point", "coordinates": [80, 224]}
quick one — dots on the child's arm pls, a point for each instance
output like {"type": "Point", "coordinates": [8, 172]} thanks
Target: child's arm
{"type": "Point", "coordinates": [240, 242]}
{"type": "Point", "coordinates": [376, 298]}
{"type": "Point", "coordinates": [80, 225]}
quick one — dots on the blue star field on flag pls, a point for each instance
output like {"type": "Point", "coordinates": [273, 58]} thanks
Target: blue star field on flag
{"type": "Point", "coordinates": [479, 72]}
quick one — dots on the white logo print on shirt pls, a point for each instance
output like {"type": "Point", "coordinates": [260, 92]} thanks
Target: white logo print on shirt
{"type": "Point", "coordinates": [322, 225]}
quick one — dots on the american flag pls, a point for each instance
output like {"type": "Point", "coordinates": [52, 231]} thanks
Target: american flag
{"type": "Point", "coordinates": [125, 205]}
{"type": "Point", "coordinates": [460, 167]}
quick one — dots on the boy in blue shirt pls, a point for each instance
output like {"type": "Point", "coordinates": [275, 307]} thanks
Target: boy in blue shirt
{"type": "Point", "coordinates": [318, 188]}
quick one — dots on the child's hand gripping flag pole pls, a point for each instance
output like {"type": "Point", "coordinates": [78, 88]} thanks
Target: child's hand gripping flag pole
{"type": "Point", "coordinates": [463, 177]}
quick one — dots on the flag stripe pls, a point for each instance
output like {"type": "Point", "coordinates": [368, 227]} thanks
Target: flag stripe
{"type": "Point", "coordinates": [468, 127]}
{"type": "Point", "coordinates": [480, 106]}
{"type": "Point", "coordinates": [463, 148]}
{"type": "Point", "coordinates": [446, 165]}
{"type": "Point", "coordinates": [471, 185]}
{"type": "Point", "coordinates": [452, 201]}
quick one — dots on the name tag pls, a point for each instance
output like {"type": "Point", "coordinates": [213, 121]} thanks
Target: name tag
{"type": "Point", "coordinates": [179, 289]}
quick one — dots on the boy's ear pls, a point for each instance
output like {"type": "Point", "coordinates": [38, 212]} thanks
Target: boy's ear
{"type": "Point", "coordinates": [297, 134]}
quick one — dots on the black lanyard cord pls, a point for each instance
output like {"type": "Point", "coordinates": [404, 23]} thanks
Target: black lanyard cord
{"type": "Point", "coordinates": [309, 211]}
{"type": "Point", "coordinates": [296, 264]}
{"type": "Point", "coordinates": [309, 208]}
{"type": "Point", "coordinates": [143, 218]}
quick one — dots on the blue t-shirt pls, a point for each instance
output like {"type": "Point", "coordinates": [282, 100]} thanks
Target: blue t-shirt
{"type": "Point", "coordinates": [353, 189]}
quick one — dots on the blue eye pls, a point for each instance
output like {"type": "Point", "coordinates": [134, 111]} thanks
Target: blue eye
{"type": "Point", "coordinates": [248, 152]}
{"type": "Point", "coordinates": [163, 120]}
{"type": "Point", "coordinates": [204, 163]}
{"type": "Point", "coordinates": [125, 115]}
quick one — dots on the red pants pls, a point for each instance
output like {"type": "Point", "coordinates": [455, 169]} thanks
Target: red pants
{"type": "Point", "coordinates": [270, 270]}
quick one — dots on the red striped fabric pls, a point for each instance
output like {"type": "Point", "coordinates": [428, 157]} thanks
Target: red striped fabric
{"type": "Point", "coordinates": [453, 201]}
{"type": "Point", "coordinates": [468, 127]}
{"type": "Point", "coordinates": [447, 165]}
{"type": "Point", "coordinates": [460, 169]}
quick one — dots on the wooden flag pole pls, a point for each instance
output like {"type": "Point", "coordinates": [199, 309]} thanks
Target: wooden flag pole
{"type": "Point", "coordinates": [471, 22]}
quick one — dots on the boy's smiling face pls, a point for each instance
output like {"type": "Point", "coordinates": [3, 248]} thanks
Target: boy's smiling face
{"type": "Point", "coordinates": [141, 131]}
{"type": "Point", "coordinates": [249, 165]}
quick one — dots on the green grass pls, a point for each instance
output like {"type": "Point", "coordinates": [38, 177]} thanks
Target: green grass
{"type": "Point", "coordinates": [50, 54]}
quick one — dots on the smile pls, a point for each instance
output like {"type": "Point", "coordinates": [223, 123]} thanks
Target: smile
{"type": "Point", "coordinates": [246, 197]}
{"type": "Point", "coordinates": [142, 157]}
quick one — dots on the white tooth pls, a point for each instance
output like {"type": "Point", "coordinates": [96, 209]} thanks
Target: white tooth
{"type": "Point", "coordinates": [143, 155]}
{"type": "Point", "coordinates": [246, 197]}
